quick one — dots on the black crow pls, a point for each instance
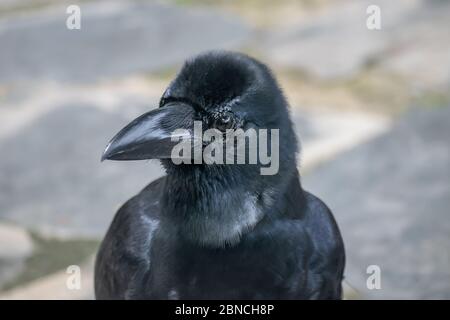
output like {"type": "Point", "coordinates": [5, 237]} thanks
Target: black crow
{"type": "Point", "coordinates": [218, 231]}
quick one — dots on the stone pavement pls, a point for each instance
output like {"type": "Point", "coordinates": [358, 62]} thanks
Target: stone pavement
{"type": "Point", "coordinates": [391, 198]}
{"type": "Point", "coordinates": [134, 36]}
{"type": "Point", "coordinates": [335, 42]}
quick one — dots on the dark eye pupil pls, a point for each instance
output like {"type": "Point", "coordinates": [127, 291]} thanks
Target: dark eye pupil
{"type": "Point", "coordinates": [224, 122]}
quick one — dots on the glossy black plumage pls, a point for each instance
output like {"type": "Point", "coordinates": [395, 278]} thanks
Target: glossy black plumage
{"type": "Point", "coordinates": [219, 231]}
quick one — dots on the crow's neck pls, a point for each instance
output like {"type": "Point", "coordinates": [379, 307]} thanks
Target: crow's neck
{"type": "Point", "coordinates": [216, 208]}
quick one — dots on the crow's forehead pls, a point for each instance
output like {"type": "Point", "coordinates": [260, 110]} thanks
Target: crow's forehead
{"type": "Point", "coordinates": [212, 79]}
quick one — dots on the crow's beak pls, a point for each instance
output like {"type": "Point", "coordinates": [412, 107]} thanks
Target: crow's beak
{"type": "Point", "coordinates": [152, 135]}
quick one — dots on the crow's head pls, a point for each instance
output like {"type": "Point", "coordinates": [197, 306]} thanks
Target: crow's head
{"type": "Point", "coordinates": [223, 91]}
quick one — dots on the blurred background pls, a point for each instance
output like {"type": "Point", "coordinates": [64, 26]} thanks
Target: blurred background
{"type": "Point", "coordinates": [371, 108]}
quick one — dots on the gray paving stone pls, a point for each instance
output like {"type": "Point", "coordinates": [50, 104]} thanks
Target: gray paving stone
{"type": "Point", "coordinates": [391, 198]}
{"type": "Point", "coordinates": [52, 179]}
{"type": "Point", "coordinates": [336, 43]}
{"type": "Point", "coordinates": [422, 49]}
{"type": "Point", "coordinates": [413, 41]}
{"type": "Point", "coordinates": [116, 38]}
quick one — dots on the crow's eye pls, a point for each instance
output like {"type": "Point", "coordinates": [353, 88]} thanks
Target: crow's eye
{"type": "Point", "coordinates": [224, 121]}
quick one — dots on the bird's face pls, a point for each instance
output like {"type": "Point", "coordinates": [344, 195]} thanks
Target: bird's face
{"type": "Point", "coordinates": [221, 91]}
